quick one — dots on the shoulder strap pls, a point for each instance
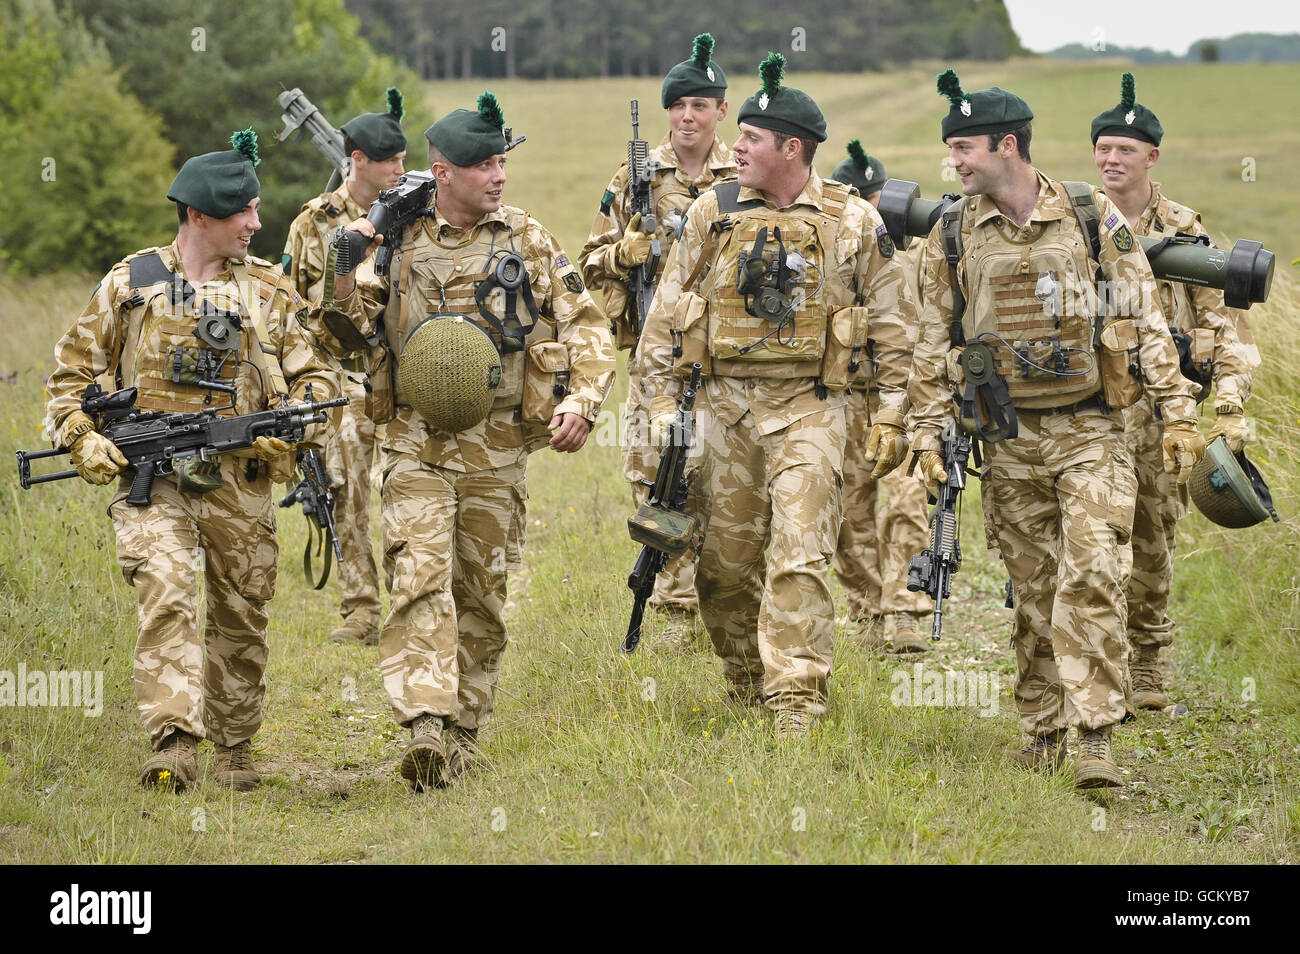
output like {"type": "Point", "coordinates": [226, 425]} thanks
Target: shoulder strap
{"type": "Point", "coordinates": [149, 270]}
{"type": "Point", "coordinates": [728, 194]}
{"type": "Point", "coordinates": [1085, 210]}
{"type": "Point", "coordinates": [252, 303]}
{"type": "Point", "coordinates": [950, 234]}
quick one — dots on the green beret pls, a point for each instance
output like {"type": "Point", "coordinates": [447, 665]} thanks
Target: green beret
{"type": "Point", "coordinates": [466, 136]}
{"type": "Point", "coordinates": [782, 109]}
{"type": "Point", "coordinates": [985, 111]}
{"type": "Point", "coordinates": [1130, 118]}
{"type": "Point", "coordinates": [379, 135]}
{"type": "Point", "coordinates": [698, 76]}
{"type": "Point", "coordinates": [865, 173]}
{"type": "Point", "coordinates": [220, 184]}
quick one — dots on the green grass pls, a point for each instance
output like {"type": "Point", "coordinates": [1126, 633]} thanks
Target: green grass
{"type": "Point", "coordinates": [595, 756]}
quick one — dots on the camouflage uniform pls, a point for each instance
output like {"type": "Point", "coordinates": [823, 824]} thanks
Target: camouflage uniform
{"type": "Point", "coordinates": [453, 504]}
{"type": "Point", "coordinates": [1059, 496]}
{"type": "Point", "coordinates": [671, 191]}
{"type": "Point", "coordinates": [1161, 502]}
{"type": "Point", "coordinates": [211, 685]}
{"type": "Point", "coordinates": [885, 520]}
{"type": "Point", "coordinates": [349, 456]}
{"type": "Point", "coordinates": [770, 441]}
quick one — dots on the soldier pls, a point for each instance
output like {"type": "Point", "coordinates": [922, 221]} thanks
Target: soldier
{"type": "Point", "coordinates": [1007, 327]}
{"type": "Point", "coordinates": [453, 496]}
{"type": "Point", "coordinates": [140, 327]}
{"type": "Point", "coordinates": [885, 519]}
{"type": "Point", "coordinates": [777, 284]}
{"type": "Point", "coordinates": [376, 145]}
{"type": "Point", "coordinates": [687, 162]}
{"type": "Point", "coordinates": [1219, 348]}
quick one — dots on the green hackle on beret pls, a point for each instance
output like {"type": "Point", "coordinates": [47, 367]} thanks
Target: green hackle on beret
{"type": "Point", "coordinates": [782, 109]}
{"type": "Point", "coordinates": [865, 173]}
{"type": "Point", "coordinates": [698, 76]}
{"type": "Point", "coordinates": [469, 136]}
{"type": "Point", "coordinates": [221, 183]}
{"type": "Point", "coordinates": [380, 135]}
{"type": "Point", "coordinates": [1129, 118]}
{"type": "Point", "coordinates": [983, 112]}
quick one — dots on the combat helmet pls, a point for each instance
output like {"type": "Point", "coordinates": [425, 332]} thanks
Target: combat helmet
{"type": "Point", "coordinates": [449, 371]}
{"type": "Point", "coordinates": [1228, 489]}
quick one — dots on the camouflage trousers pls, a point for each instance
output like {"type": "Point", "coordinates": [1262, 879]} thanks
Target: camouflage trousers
{"type": "Point", "coordinates": [1059, 503]}
{"type": "Point", "coordinates": [449, 538]}
{"type": "Point", "coordinates": [348, 459]}
{"type": "Point", "coordinates": [675, 586]}
{"type": "Point", "coordinates": [210, 686]}
{"type": "Point", "coordinates": [1161, 503]}
{"type": "Point", "coordinates": [885, 524]}
{"type": "Point", "coordinates": [770, 509]}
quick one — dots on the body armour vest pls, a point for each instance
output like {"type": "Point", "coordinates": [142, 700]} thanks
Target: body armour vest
{"type": "Point", "coordinates": [1033, 302]}
{"type": "Point", "coordinates": [814, 288]}
{"type": "Point", "coordinates": [431, 276]}
{"type": "Point", "coordinates": [670, 198]}
{"type": "Point", "coordinates": [177, 338]}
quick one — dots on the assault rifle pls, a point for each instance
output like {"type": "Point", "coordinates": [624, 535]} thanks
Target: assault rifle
{"type": "Point", "coordinates": [640, 170]}
{"type": "Point", "coordinates": [153, 442]}
{"type": "Point", "coordinates": [661, 524]}
{"type": "Point", "coordinates": [300, 111]}
{"type": "Point", "coordinates": [389, 214]}
{"type": "Point", "coordinates": [931, 570]}
{"type": "Point", "coordinates": [317, 500]}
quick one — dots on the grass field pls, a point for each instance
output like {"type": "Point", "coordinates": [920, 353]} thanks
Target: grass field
{"type": "Point", "coordinates": [595, 756]}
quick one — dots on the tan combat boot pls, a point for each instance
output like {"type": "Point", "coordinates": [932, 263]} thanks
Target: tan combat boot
{"type": "Point", "coordinates": [1043, 753]}
{"type": "Point", "coordinates": [906, 633]}
{"type": "Point", "coordinates": [234, 767]}
{"type": "Point", "coordinates": [357, 629]}
{"type": "Point", "coordinates": [175, 766]}
{"type": "Point", "coordinates": [1095, 767]}
{"type": "Point", "coordinates": [463, 754]}
{"type": "Point", "coordinates": [1148, 684]}
{"type": "Point", "coordinates": [794, 723]}
{"type": "Point", "coordinates": [424, 757]}
{"type": "Point", "coordinates": [679, 629]}
{"type": "Point", "coordinates": [867, 633]}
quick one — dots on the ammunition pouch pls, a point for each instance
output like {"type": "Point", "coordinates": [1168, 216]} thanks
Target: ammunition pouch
{"type": "Point", "coordinates": [689, 334]}
{"type": "Point", "coordinates": [847, 360]}
{"type": "Point", "coordinates": [546, 381]}
{"type": "Point", "coordinates": [1121, 371]}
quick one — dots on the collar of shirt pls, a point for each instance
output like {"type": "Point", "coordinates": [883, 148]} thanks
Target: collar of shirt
{"type": "Point", "coordinates": [1152, 214]}
{"type": "Point", "coordinates": [442, 228]}
{"type": "Point", "coordinates": [1050, 206]}
{"type": "Point", "coordinates": [351, 209]}
{"type": "Point", "coordinates": [719, 164]}
{"type": "Point", "coordinates": [812, 194]}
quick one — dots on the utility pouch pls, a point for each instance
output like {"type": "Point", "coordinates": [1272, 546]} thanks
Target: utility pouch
{"type": "Point", "coordinates": [689, 334]}
{"type": "Point", "coordinates": [669, 531]}
{"type": "Point", "coordinates": [197, 476]}
{"type": "Point", "coordinates": [846, 349]}
{"type": "Point", "coordinates": [1121, 372]}
{"type": "Point", "coordinates": [546, 380]}
{"type": "Point", "coordinates": [381, 399]}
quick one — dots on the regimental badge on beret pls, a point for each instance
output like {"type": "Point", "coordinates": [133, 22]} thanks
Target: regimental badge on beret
{"type": "Point", "coordinates": [884, 242]}
{"type": "Point", "coordinates": [965, 107]}
{"type": "Point", "coordinates": [709, 73]}
{"type": "Point", "coordinates": [1129, 117]}
{"type": "Point", "coordinates": [763, 100]}
{"type": "Point", "coordinates": [1123, 239]}
{"type": "Point", "coordinates": [867, 173]}
{"type": "Point", "coordinates": [573, 283]}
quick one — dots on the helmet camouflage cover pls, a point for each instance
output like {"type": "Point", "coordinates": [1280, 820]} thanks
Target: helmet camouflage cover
{"type": "Point", "coordinates": [449, 371]}
{"type": "Point", "coordinates": [1228, 489]}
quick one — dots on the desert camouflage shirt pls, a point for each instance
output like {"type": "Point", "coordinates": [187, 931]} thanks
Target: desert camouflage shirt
{"type": "Point", "coordinates": [303, 261]}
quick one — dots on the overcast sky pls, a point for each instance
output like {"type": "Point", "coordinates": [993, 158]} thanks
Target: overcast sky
{"type": "Point", "coordinates": [1160, 24]}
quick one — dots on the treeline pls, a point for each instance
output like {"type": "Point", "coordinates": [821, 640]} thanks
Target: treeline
{"type": "Point", "coordinates": [101, 100]}
{"type": "Point", "coordinates": [1240, 48]}
{"type": "Point", "coordinates": [546, 39]}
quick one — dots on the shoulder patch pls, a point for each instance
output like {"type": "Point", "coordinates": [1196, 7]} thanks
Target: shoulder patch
{"type": "Point", "coordinates": [884, 242]}
{"type": "Point", "coordinates": [573, 283]}
{"type": "Point", "coordinates": [1112, 220]}
{"type": "Point", "coordinates": [606, 201]}
{"type": "Point", "coordinates": [1123, 239]}
{"type": "Point", "coordinates": [562, 261]}
{"type": "Point", "coordinates": [285, 261]}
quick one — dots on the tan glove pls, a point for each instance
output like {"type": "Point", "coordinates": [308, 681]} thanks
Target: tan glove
{"type": "Point", "coordinates": [96, 458]}
{"type": "Point", "coordinates": [661, 425]}
{"type": "Point", "coordinates": [1230, 422]}
{"type": "Point", "coordinates": [887, 446]}
{"type": "Point", "coordinates": [1183, 447]}
{"type": "Point", "coordinates": [930, 465]}
{"type": "Point", "coordinates": [279, 455]}
{"type": "Point", "coordinates": [634, 247]}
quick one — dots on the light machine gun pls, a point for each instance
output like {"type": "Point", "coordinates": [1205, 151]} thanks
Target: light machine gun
{"type": "Point", "coordinates": [661, 524]}
{"type": "Point", "coordinates": [300, 111]}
